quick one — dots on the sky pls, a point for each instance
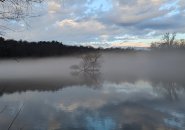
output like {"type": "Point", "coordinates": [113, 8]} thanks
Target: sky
{"type": "Point", "coordinates": [102, 23]}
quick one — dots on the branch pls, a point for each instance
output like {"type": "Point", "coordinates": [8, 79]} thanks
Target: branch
{"type": "Point", "coordinates": [15, 117]}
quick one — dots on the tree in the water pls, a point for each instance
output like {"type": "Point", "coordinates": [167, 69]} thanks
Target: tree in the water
{"type": "Point", "coordinates": [89, 62]}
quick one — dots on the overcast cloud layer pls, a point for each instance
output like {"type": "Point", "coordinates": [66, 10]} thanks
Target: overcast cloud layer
{"type": "Point", "coordinates": [102, 22]}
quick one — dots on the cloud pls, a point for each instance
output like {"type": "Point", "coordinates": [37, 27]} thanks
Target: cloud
{"type": "Point", "coordinates": [127, 13]}
{"type": "Point", "coordinates": [105, 22]}
{"type": "Point", "coordinates": [80, 31]}
{"type": "Point", "coordinates": [90, 26]}
{"type": "Point", "coordinates": [129, 44]}
{"type": "Point", "coordinates": [53, 6]}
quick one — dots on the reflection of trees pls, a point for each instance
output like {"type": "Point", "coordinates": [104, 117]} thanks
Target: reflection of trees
{"type": "Point", "coordinates": [170, 89]}
{"type": "Point", "coordinates": [89, 77]}
{"type": "Point", "coordinates": [89, 68]}
{"type": "Point", "coordinates": [93, 78]}
{"type": "Point", "coordinates": [2, 91]}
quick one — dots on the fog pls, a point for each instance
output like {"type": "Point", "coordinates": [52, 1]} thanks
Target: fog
{"type": "Point", "coordinates": [164, 66]}
{"type": "Point", "coordinates": [130, 67]}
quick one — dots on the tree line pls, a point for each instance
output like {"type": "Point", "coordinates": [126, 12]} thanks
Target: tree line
{"type": "Point", "coordinates": [11, 48]}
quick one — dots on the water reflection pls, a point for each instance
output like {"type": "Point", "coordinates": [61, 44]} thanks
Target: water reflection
{"type": "Point", "coordinates": [170, 89]}
{"type": "Point", "coordinates": [127, 93]}
{"type": "Point", "coordinates": [91, 78]}
{"type": "Point", "coordinates": [111, 107]}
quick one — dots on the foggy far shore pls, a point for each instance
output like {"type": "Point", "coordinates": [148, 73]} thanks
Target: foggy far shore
{"type": "Point", "coordinates": [52, 65]}
{"type": "Point", "coordinates": [10, 48]}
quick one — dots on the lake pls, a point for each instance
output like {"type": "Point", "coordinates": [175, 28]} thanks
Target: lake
{"type": "Point", "coordinates": [132, 91]}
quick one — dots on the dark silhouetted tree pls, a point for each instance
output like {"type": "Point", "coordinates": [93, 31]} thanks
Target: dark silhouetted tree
{"type": "Point", "coordinates": [169, 42]}
{"type": "Point", "coordinates": [90, 62]}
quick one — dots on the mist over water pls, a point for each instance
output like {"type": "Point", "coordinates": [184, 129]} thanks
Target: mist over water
{"type": "Point", "coordinates": [115, 67]}
{"type": "Point", "coordinates": [137, 64]}
{"type": "Point", "coordinates": [132, 91]}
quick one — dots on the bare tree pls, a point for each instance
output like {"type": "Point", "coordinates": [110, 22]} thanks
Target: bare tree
{"type": "Point", "coordinates": [169, 42]}
{"type": "Point", "coordinates": [182, 43]}
{"type": "Point", "coordinates": [90, 62]}
{"type": "Point", "coordinates": [17, 114]}
{"type": "Point", "coordinates": [168, 39]}
{"type": "Point", "coordinates": [15, 10]}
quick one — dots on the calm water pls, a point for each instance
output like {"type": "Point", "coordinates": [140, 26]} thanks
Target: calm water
{"type": "Point", "coordinates": [122, 96]}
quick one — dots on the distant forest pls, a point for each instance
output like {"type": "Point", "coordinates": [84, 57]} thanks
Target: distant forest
{"type": "Point", "coordinates": [11, 48]}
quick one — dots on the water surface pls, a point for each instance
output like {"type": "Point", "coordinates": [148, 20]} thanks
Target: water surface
{"type": "Point", "coordinates": [129, 93]}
